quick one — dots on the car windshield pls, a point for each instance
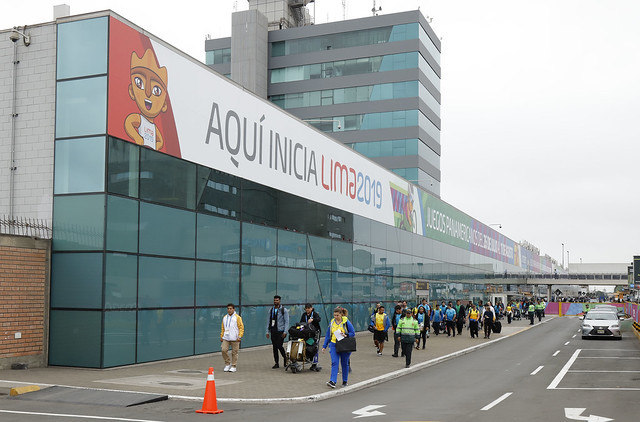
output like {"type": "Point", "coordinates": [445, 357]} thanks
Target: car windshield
{"type": "Point", "coordinates": [600, 316]}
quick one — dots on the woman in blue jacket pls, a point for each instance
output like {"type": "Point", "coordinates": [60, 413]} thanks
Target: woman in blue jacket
{"type": "Point", "coordinates": [346, 330]}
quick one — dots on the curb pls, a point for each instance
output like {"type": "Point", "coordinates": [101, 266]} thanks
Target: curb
{"type": "Point", "coordinates": [363, 384]}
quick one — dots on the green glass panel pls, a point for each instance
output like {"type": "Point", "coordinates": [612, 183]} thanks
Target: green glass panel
{"type": "Point", "coordinates": [121, 281]}
{"type": "Point", "coordinates": [81, 107]}
{"type": "Point", "coordinates": [122, 224]}
{"type": "Point", "coordinates": [74, 338]}
{"type": "Point", "coordinates": [258, 284]}
{"type": "Point", "coordinates": [208, 324]}
{"type": "Point", "coordinates": [258, 244]}
{"type": "Point", "coordinates": [165, 282]}
{"type": "Point", "coordinates": [362, 288]}
{"type": "Point", "coordinates": [255, 325]}
{"type": "Point", "coordinates": [167, 231]}
{"type": "Point", "coordinates": [119, 338]}
{"type": "Point", "coordinates": [122, 170]}
{"type": "Point", "coordinates": [79, 165]}
{"type": "Point", "coordinates": [78, 222]}
{"type": "Point", "coordinates": [292, 285]}
{"type": "Point", "coordinates": [342, 288]}
{"type": "Point", "coordinates": [167, 180]}
{"type": "Point", "coordinates": [82, 48]}
{"type": "Point", "coordinates": [165, 334]}
{"type": "Point", "coordinates": [218, 238]}
{"type": "Point", "coordinates": [342, 254]}
{"type": "Point", "coordinates": [217, 283]}
{"type": "Point", "coordinates": [319, 250]}
{"type": "Point", "coordinates": [76, 280]}
{"type": "Point", "coordinates": [292, 249]}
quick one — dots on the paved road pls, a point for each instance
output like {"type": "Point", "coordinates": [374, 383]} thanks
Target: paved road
{"type": "Point", "coordinates": [456, 390]}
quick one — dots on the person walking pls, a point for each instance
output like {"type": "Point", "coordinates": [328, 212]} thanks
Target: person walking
{"type": "Point", "coordinates": [423, 325]}
{"type": "Point", "coordinates": [427, 312]}
{"type": "Point", "coordinates": [381, 323]}
{"type": "Point", "coordinates": [337, 330]}
{"type": "Point", "coordinates": [311, 317]}
{"type": "Point", "coordinates": [230, 335]}
{"type": "Point", "coordinates": [531, 309]}
{"type": "Point", "coordinates": [437, 320]}
{"type": "Point", "coordinates": [538, 310]}
{"type": "Point", "coordinates": [345, 318]}
{"type": "Point", "coordinates": [509, 312]}
{"type": "Point", "coordinates": [488, 318]}
{"type": "Point", "coordinates": [460, 316]}
{"type": "Point", "coordinates": [474, 316]}
{"type": "Point", "coordinates": [277, 326]}
{"type": "Point", "coordinates": [450, 320]}
{"type": "Point", "coordinates": [407, 333]}
{"type": "Point", "coordinates": [395, 319]}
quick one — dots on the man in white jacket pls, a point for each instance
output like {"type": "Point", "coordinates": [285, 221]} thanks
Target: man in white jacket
{"type": "Point", "coordinates": [231, 334]}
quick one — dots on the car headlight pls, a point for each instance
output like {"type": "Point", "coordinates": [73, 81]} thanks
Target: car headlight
{"type": "Point", "coordinates": [586, 326]}
{"type": "Point", "coordinates": [615, 326]}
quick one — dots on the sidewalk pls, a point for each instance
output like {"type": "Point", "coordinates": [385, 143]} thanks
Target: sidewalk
{"type": "Point", "coordinates": [185, 378]}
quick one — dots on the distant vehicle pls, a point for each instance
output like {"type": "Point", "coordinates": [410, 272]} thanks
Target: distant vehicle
{"type": "Point", "coordinates": [601, 323]}
{"type": "Point", "coordinates": [617, 309]}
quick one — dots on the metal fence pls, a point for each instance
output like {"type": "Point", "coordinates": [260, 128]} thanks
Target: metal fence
{"type": "Point", "coordinates": [21, 226]}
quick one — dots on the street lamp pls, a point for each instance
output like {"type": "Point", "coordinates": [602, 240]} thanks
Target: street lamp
{"type": "Point", "coordinates": [562, 256]}
{"type": "Point", "coordinates": [567, 259]}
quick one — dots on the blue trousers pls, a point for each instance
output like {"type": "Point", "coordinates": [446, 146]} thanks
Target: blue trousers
{"type": "Point", "coordinates": [344, 362]}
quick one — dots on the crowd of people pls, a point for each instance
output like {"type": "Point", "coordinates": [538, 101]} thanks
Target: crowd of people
{"type": "Point", "coordinates": [408, 326]}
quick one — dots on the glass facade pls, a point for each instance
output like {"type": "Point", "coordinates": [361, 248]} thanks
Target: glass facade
{"type": "Point", "coordinates": [222, 55]}
{"type": "Point", "coordinates": [346, 39]}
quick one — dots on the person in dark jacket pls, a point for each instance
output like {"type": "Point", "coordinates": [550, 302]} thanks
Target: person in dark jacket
{"type": "Point", "coordinates": [395, 319]}
{"type": "Point", "coordinates": [488, 317]}
{"type": "Point", "coordinates": [461, 316]}
{"type": "Point", "coordinates": [311, 317]}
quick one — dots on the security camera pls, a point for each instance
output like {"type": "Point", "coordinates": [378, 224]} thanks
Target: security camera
{"type": "Point", "coordinates": [339, 126]}
{"type": "Point", "coordinates": [15, 35]}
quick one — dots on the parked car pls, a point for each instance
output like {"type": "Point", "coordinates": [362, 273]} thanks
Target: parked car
{"type": "Point", "coordinates": [601, 323]}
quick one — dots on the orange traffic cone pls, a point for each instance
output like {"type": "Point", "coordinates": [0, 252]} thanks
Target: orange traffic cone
{"type": "Point", "coordinates": [210, 403]}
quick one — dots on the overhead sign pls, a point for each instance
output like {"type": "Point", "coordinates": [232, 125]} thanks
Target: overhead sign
{"type": "Point", "coordinates": [170, 103]}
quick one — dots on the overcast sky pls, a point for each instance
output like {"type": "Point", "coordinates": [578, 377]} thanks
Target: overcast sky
{"type": "Point", "coordinates": [540, 106]}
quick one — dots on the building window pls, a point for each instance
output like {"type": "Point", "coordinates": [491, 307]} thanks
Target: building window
{"type": "Point", "coordinates": [81, 107]}
{"type": "Point", "coordinates": [82, 48]}
{"type": "Point", "coordinates": [219, 56]}
{"type": "Point", "coordinates": [79, 165]}
{"type": "Point", "coordinates": [122, 169]}
{"type": "Point", "coordinates": [167, 179]}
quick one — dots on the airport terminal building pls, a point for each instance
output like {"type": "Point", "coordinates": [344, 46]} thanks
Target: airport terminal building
{"type": "Point", "coordinates": [173, 191]}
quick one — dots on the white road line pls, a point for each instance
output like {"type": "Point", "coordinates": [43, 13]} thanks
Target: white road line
{"type": "Point", "coordinates": [556, 353]}
{"type": "Point", "coordinates": [608, 357]}
{"type": "Point", "coordinates": [537, 370]}
{"type": "Point", "coordinates": [600, 371]}
{"type": "Point", "coordinates": [564, 370]}
{"type": "Point", "coordinates": [496, 401]}
{"type": "Point", "coordinates": [597, 388]}
{"type": "Point", "coordinates": [62, 415]}
{"type": "Point", "coordinates": [574, 336]}
{"type": "Point", "coordinates": [567, 343]}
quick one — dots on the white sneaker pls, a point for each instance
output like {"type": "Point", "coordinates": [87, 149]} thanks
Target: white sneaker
{"type": "Point", "coordinates": [227, 368]}
{"type": "Point", "coordinates": [232, 369]}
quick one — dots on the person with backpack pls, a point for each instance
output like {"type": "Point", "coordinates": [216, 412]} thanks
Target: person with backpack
{"type": "Point", "coordinates": [488, 317]}
{"type": "Point", "coordinates": [407, 332]}
{"type": "Point", "coordinates": [437, 320]}
{"type": "Point", "coordinates": [337, 330]}
{"type": "Point", "coordinates": [380, 323]}
{"type": "Point", "coordinates": [450, 320]}
{"type": "Point", "coordinates": [460, 316]}
{"type": "Point", "coordinates": [423, 324]}
{"type": "Point", "coordinates": [277, 326]}
{"type": "Point", "coordinates": [311, 317]}
{"type": "Point", "coordinates": [509, 312]}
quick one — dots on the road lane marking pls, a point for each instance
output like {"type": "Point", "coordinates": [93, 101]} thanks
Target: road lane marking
{"type": "Point", "coordinates": [598, 388]}
{"type": "Point", "coordinates": [62, 415]}
{"type": "Point", "coordinates": [537, 370]}
{"type": "Point", "coordinates": [575, 414]}
{"type": "Point", "coordinates": [606, 372]}
{"type": "Point", "coordinates": [368, 411]}
{"type": "Point", "coordinates": [608, 357]}
{"type": "Point", "coordinates": [567, 343]}
{"type": "Point", "coordinates": [556, 353]}
{"type": "Point", "coordinates": [564, 370]}
{"type": "Point", "coordinates": [574, 336]}
{"type": "Point", "coordinates": [496, 401]}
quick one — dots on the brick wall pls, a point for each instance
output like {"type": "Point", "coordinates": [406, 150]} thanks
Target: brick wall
{"type": "Point", "coordinates": [34, 126]}
{"type": "Point", "coordinates": [24, 300]}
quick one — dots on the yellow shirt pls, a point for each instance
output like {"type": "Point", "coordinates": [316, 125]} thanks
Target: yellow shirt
{"type": "Point", "coordinates": [509, 308]}
{"type": "Point", "coordinates": [473, 314]}
{"type": "Point", "coordinates": [380, 321]}
{"type": "Point", "coordinates": [335, 327]}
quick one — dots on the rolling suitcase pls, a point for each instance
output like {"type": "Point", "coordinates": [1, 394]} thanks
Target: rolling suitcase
{"type": "Point", "coordinates": [497, 327]}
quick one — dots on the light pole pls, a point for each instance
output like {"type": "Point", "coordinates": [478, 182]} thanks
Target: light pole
{"type": "Point", "coordinates": [567, 260]}
{"type": "Point", "coordinates": [562, 256]}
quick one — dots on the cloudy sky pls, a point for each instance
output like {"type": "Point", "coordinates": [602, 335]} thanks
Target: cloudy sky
{"type": "Point", "coordinates": [540, 106]}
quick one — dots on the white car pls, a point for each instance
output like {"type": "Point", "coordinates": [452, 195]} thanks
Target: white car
{"type": "Point", "coordinates": [601, 323]}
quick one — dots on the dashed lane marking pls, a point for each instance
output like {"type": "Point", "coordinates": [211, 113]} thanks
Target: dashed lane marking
{"type": "Point", "coordinates": [567, 343]}
{"type": "Point", "coordinates": [538, 369]}
{"type": "Point", "coordinates": [496, 401]}
{"type": "Point", "coordinates": [574, 336]}
{"type": "Point", "coordinates": [556, 353]}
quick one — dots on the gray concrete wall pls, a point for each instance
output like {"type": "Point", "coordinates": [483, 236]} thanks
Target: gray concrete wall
{"type": "Point", "coordinates": [249, 51]}
{"type": "Point", "coordinates": [34, 124]}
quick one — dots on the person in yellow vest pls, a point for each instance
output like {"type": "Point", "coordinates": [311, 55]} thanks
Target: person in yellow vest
{"type": "Point", "coordinates": [231, 335]}
{"type": "Point", "coordinates": [509, 312]}
{"type": "Point", "coordinates": [407, 332]}
{"type": "Point", "coordinates": [538, 310]}
{"type": "Point", "coordinates": [531, 309]}
{"type": "Point", "coordinates": [337, 330]}
{"type": "Point", "coordinates": [381, 323]}
{"type": "Point", "coordinates": [474, 316]}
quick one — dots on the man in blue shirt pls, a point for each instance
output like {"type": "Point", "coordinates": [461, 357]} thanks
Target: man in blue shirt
{"type": "Point", "coordinates": [450, 320]}
{"type": "Point", "coordinates": [277, 326]}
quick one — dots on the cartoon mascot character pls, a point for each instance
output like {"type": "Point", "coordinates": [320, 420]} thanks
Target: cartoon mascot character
{"type": "Point", "coordinates": [148, 88]}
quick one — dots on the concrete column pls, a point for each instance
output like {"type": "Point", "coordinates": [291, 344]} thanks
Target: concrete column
{"type": "Point", "coordinates": [249, 50]}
